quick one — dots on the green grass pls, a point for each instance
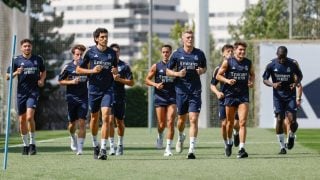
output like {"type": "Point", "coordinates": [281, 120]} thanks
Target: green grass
{"type": "Point", "coordinates": [142, 161]}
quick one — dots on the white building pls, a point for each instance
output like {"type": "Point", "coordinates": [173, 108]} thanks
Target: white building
{"type": "Point", "coordinates": [221, 14]}
{"type": "Point", "coordinates": [126, 21]}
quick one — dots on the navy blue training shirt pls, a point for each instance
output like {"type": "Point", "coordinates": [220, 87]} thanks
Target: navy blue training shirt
{"type": "Point", "coordinates": [74, 92]}
{"type": "Point", "coordinates": [283, 73]}
{"type": "Point", "coordinates": [103, 81]}
{"type": "Point", "coordinates": [28, 79]}
{"type": "Point", "coordinates": [119, 88]}
{"type": "Point", "coordinates": [240, 71]}
{"type": "Point", "coordinates": [168, 82]}
{"type": "Point", "coordinates": [179, 60]}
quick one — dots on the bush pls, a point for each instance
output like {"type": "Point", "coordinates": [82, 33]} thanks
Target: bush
{"type": "Point", "coordinates": [136, 107]}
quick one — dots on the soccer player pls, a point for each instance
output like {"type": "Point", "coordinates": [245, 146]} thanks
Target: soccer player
{"type": "Point", "coordinates": [227, 52]}
{"type": "Point", "coordinates": [237, 74]}
{"type": "Point", "coordinates": [77, 98]}
{"type": "Point", "coordinates": [164, 98]}
{"type": "Point", "coordinates": [286, 77]}
{"type": "Point", "coordinates": [119, 104]}
{"type": "Point", "coordinates": [31, 73]}
{"type": "Point", "coordinates": [187, 64]}
{"type": "Point", "coordinates": [100, 63]}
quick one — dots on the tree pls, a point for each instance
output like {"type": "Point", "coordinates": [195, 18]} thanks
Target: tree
{"type": "Point", "coordinates": [50, 45]}
{"type": "Point", "coordinates": [306, 19]}
{"type": "Point", "coordinates": [262, 22]}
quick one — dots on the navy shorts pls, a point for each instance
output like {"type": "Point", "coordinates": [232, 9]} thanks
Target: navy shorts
{"type": "Point", "coordinates": [222, 112]}
{"type": "Point", "coordinates": [27, 101]}
{"type": "Point", "coordinates": [283, 106]}
{"type": "Point", "coordinates": [98, 101]}
{"type": "Point", "coordinates": [118, 110]}
{"type": "Point", "coordinates": [235, 101]}
{"type": "Point", "coordinates": [164, 101]}
{"type": "Point", "coordinates": [188, 103]}
{"type": "Point", "coordinates": [77, 110]}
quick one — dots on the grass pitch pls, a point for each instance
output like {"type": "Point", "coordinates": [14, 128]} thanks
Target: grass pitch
{"type": "Point", "coordinates": [141, 160]}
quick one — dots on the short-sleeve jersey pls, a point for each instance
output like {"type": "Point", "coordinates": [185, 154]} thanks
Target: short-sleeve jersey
{"type": "Point", "coordinates": [190, 84]}
{"type": "Point", "coordinates": [119, 88]}
{"type": "Point", "coordinates": [28, 79]}
{"type": "Point", "coordinates": [284, 73]}
{"type": "Point", "coordinates": [74, 92]}
{"type": "Point", "coordinates": [240, 71]}
{"type": "Point", "coordinates": [103, 81]}
{"type": "Point", "coordinates": [168, 82]}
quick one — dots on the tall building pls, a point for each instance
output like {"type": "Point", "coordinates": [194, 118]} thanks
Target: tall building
{"type": "Point", "coordinates": [221, 14]}
{"type": "Point", "coordinates": [126, 20]}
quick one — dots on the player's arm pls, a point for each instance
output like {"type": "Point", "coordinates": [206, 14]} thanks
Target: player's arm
{"type": "Point", "coordinates": [43, 76]}
{"type": "Point", "coordinates": [95, 70]}
{"type": "Point", "coordinates": [214, 83]}
{"type": "Point", "coordinates": [63, 78]}
{"type": "Point", "coordinates": [149, 79]}
{"type": "Point", "coordinates": [266, 75]}
{"type": "Point", "coordinates": [172, 65]}
{"type": "Point", "coordinates": [15, 73]}
{"type": "Point", "coordinates": [128, 80]}
{"type": "Point", "coordinates": [299, 94]}
{"type": "Point", "coordinates": [220, 75]}
{"type": "Point", "coordinates": [251, 77]}
{"type": "Point", "coordinates": [202, 66]}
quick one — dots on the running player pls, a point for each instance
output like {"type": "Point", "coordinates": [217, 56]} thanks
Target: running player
{"type": "Point", "coordinates": [100, 63]}
{"type": "Point", "coordinates": [187, 64]}
{"type": "Point", "coordinates": [77, 98]}
{"type": "Point", "coordinates": [164, 98]}
{"type": "Point", "coordinates": [237, 74]}
{"type": "Point", "coordinates": [227, 51]}
{"type": "Point", "coordinates": [286, 76]}
{"type": "Point", "coordinates": [31, 73]}
{"type": "Point", "coordinates": [119, 105]}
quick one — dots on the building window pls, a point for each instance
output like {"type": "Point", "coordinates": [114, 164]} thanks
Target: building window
{"type": "Point", "coordinates": [69, 8]}
{"type": "Point", "coordinates": [164, 8]}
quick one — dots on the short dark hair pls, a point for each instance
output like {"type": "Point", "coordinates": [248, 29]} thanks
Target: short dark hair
{"type": "Point", "coordinates": [226, 46]}
{"type": "Point", "coordinates": [97, 33]}
{"type": "Point", "coordinates": [167, 46]}
{"type": "Point", "coordinates": [25, 41]}
{"type": "Point", "coordinates": [240, 43]}
{"type": "Point", "coordinates": [115, 45]}
{"type": "Point", "coordinates": [79, 47]}
{"type": "Point", "coordinates": [282, 50]}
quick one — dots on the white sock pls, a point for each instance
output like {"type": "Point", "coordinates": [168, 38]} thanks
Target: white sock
{"type": "Point", "coordinates": [111, 142]}
{"type": "Point", "coordinates": [32, 137]}
{"type": "Point", "coordinates": [192, 144]}
{"type": "Point", "coordinates": [160, 135]}
{"type": "Point", "coordinates": [169, 142]}
{"type": "Point", "coordinates": [120, 140]}
{"type": "Point", "coordinates": [230, 141]}
{"type": "Point", "coordinates": [181, 134]}
{"type": "Point", "coordinates": [235, 132]}
{"type": "Point", "coordinates": [80, 144]}
{"type": "Point", "coordinates": [25, 139]}
{"type": "Point", "coordinates": [225, 143]}
{"type": "Point", "coordinates": [281, 140]}
{"type": "Point", "coordinates": [103, 143]}
{"type": "Point", "coordinates": [73, 137]}
{"type": "Point", "coordinates": [241, 145]}
{"type": "Point", "coordinates": [94, 141]}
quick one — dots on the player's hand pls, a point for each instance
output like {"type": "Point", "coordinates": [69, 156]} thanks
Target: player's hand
{"type": "Point", "coordinates": [293, 85]}
{"type": "Point", "coordinates": [182, 72]}
{"type": "Point", "coordinates": [250, 84]}
{"type": "Point", "coordinates": [116, 77]}
{"type": "Point", "coordinates": [97, 69]}
{"type": "Point", "coordinates": [40, 83]}
{"type": "Point", "coordinates": [76, 80]}
{"type": "Point", "coordinates": [220, 95]}
{"type": "Point", "coordinates": [114, 70]}
{"type": "Point", "coordinates": [200, 70]}
{"type": "Point", "coordinates": [159, 85]}
{"type": "Point", "coordinates": [231, 81]}
{"type": "Point", "coordinates": [298, 103]}
{"type": "Point", "coordinates": [276, 85]}
{"type": "Point", "coordinates": [19, 70]}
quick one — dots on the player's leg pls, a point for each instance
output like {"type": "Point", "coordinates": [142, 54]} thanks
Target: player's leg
{"type": "Point", "coordinates": [82, 114]}
{"type": "Point", "coordinates": [236, 127]}
{"type": "Point", "coordinates": [94, 104]}
{"type": "Point", "coordinates": [111, 134]}
{"type": "Point", "coordinates": [222, 117]}
{"type": "Point", "coordinates": [24, 133]}
{"type": "Point", "coordinates": [32, 102]}
{"type": "Point", "coordinates": [161, 112]}
{"type": "Point", "coordinates": [292, 122]}
{"type": "Point", "coordinates": [121, 129]}
{"type": "Point", "coordinates": [182, 111]}
{"type": "Point", "coordinates": [243, 110]}
{"type": "Point", "coordinates": [171, 115]}
{"type": "Point", "coordinates": [72, 117]}
{"type": "Point", "coordinates": [280, 117]}
{"type": "Point", "coordinates": [230, 113]}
